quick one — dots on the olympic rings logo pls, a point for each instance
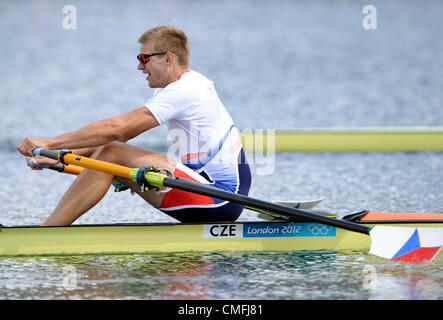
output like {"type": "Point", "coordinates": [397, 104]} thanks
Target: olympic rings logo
{"type": "Point", "coordinates": [322, 229]}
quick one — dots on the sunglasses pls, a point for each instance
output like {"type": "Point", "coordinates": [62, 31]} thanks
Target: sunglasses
{"type": "Point", "coordinates": [144, 58]}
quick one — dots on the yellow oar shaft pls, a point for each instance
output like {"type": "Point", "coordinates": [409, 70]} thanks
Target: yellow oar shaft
{"type": "Point", "coordinates": [72, 169]}
{"type": "Point", "coordinates": [97, 165]}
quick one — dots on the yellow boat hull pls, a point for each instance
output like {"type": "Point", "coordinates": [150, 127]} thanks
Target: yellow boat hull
{"type": "Point", "coordinates": [388, 139]}
{"type": "Point", "coordinates": [139, 238]}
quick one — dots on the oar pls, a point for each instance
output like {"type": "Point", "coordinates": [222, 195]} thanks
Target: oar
{"type": "Point", "coordinates": [410, 250]}
{"type": "Point", "coordinates": [158, 180]}
{"type": "Point", "coordinates": [60, 167]}
{"type": "Point", "coordinates": [76, 170]}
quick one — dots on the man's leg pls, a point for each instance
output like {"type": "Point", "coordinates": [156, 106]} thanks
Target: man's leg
{"type": "Point", "coordinates": [91, 186]}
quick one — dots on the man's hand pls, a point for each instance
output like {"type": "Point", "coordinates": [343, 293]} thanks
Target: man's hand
{"type": "Point", "coordinates": [39, 161]}
{"type": "Point", "coordinates": [29, 144]}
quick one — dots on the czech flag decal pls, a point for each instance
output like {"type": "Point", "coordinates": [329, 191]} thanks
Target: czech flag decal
{"type": "Point", "coordinates": [406, 244]}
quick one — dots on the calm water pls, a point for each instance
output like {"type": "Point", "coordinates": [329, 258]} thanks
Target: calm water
{"type": "Point", "coordinates": [286, 64]}
{"type": "Point", "coordinates": [235, 276]}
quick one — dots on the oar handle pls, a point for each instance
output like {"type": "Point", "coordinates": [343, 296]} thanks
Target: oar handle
{"type": "Point", "coordinates": [53, 154]}
{"type": "Point", "coordinates": [60, 167]}
{"type": "Point", "coordinates": [32, 164]}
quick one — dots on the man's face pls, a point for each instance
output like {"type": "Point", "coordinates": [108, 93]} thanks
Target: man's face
{"type": "Point", "coordinates": [156, 68]}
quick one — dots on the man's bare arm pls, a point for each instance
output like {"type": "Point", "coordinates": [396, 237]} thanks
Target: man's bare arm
{"type": "Point", "coordinates": [120, 128]}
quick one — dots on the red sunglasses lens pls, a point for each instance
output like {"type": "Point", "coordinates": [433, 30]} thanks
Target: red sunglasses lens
{"type": "Point", "coordinates": [141, 58]}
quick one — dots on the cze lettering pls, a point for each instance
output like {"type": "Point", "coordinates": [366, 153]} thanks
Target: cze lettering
{"type": "Point", "coordinates": [223, 230]}
{"type": "Point", "coordinates": [217, 231]}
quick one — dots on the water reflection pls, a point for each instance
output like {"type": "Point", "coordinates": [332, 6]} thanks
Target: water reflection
{"type": "Point", "coordinates": [241, 275]}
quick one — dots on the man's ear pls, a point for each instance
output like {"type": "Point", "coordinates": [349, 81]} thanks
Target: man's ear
{"type": "Point", "coordinates": [170, 57]}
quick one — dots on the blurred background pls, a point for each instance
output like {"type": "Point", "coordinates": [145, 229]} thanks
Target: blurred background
{"type": "Point", "coordinates": [279, 65]}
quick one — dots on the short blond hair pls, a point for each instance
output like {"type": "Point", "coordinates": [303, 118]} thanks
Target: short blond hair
{"type": "Point", "coordinates": [168, 38]}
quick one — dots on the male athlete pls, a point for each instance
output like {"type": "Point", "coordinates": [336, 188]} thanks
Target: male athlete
{"type": "Point", "coordinates": [201, 129]}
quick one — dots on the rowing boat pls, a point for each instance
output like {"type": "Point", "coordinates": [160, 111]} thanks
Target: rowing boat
{"type": "Point", "coordinates": [345, 139]}
{"type": "Point", "coordinates": [273, 235]}
{"type": "Point", "coordinates": [415, 244]}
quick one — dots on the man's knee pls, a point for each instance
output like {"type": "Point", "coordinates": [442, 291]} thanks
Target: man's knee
{"type": "Point", "coordinates": [124, 154]}
{"type": "Point", "coordinates": [107, 151]}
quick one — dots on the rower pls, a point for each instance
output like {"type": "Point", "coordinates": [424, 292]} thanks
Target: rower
{"type": "Point", "coordinates": [202, 131]}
